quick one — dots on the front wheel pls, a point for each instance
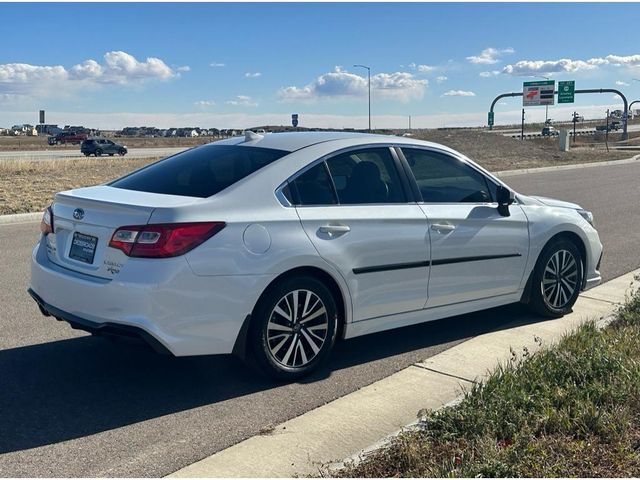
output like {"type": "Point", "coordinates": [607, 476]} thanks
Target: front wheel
{"type": "Point", "coordinates": [98, 153]}
{"type": "Point", "coordinates": [557, 279]}
{"type": "Point", "coordinates": [294, 328]}
{"type": "Point", "coordinates": [122, 152]}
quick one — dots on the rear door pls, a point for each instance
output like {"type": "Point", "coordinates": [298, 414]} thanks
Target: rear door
{"type": "Point", "coordinates": [476, 252]}
{"type": "Point", "coordinates": [356, 209]}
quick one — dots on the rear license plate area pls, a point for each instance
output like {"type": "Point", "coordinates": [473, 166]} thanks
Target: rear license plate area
{"type": "Point", "coordinates": [83, 247]}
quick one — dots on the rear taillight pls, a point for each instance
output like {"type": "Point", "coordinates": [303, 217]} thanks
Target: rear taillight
{"type": "Point", "coordinates": [163, 240]}
{"type": "Point", "coordinates": [46, 224]}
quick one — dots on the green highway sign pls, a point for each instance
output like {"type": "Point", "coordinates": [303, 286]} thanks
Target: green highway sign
{"type": "Point", "coordinates": [566, 91]}
{"type": "Point", "coordinates": [538, 93]}
{"type": "Point", "coordinates": [490, 121]}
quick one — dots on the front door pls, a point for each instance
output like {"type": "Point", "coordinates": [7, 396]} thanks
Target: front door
{"type": "Point", "coordinates": [476, 252]}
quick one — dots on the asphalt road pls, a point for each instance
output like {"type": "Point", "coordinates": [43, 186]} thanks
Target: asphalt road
{"type": "Point", "coordinates": [73, 405]}
{"type": "Point", "coordinates": [53, 154]}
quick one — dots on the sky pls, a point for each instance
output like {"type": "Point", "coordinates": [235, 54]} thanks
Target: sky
{"type": "Point", "coordinates": [236, 65]}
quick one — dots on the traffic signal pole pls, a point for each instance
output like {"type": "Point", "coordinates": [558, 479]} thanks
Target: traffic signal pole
{"type": "Point", "coordinates": [625, 135]}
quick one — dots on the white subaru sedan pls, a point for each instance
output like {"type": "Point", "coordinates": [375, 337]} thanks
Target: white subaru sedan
{"type": "Point", "coordinates": [274, 246]}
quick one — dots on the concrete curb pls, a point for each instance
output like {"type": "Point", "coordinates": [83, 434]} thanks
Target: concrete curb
{"type": "Point", "coordinates": [32, 217]}
{"type": "Point", "coordinates": [524, 171]}
{"type": "Point", "coordinates": [320, 438]}
{"type": "Point", "coordinates": [20, 218]}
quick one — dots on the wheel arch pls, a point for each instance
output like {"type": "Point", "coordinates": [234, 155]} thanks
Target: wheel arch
{"type": "Point", "coordinates": [329, 281]}
{"type": "Point", "coordinates": [566, 235]}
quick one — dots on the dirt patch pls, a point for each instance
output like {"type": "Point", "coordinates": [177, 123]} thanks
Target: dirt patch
{"type": "Point", "coordinates": [29, 186]}
{"type": "Point", "coordinates": [497, 152]}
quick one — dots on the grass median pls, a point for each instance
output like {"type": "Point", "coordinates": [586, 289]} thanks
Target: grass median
{"type": "Point", "coordinates": [29, 185]}
{"type": "Point", "coordinates": [570, 410]}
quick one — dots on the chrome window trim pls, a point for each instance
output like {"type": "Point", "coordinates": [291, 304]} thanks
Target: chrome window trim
{"type": "Point", "coordinates": [280, 194]}
{"type": "Point", "coordinates": [487, 175]}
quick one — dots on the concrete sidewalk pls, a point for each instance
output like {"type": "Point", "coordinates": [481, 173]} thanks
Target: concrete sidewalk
{"type": "Point", "coordinates": [351, 424]}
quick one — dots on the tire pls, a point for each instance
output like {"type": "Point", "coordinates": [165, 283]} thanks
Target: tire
{"type": "Point", "coordinates": [287, 347]}
{"type": "Point", "coordinates": [111, 154]}
{"type": "Point", "coordinates": [98, 152]}
{"type": "Point", "coordinates": [554, 290]}
{"type": "Point", "coordinates": [122, 153]}
{"type": "Point", "coordinates": [87, 154]}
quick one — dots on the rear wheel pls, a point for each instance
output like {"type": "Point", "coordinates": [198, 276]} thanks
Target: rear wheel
{"type": "Point", "coordinates": [557, 279]}
{"type": "Point", "coordinates": [293, 328]}
{"type": "Point", "coordinates": [98, 152]}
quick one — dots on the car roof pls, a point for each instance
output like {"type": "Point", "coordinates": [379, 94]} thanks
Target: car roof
{"type": "Point", "coordinates": [292, 141]}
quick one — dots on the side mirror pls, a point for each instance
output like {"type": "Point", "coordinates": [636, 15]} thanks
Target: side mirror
{"type": "Point", "coordinates": [505, 197]}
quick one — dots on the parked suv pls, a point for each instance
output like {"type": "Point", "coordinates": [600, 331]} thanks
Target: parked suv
{"type": "Point", "coordinates": [99, 146]}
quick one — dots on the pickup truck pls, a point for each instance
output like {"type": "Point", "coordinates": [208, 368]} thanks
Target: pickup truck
{"type": "Point", "coordinates": [67, 137]}
{"type": "Point", "coordinates": [613, 126]}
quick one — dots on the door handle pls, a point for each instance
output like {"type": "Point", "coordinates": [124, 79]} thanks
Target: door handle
{"type": "Point", "coordinates": [334, 230]}
{"type": "Point", "coordinates": [443, 227]}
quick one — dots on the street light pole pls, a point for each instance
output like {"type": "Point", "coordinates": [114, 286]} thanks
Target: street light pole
{"type": "Point", "coordinates": [369, 84]}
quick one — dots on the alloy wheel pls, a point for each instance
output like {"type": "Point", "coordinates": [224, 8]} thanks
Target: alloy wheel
{"type": "Point", "coordinates": [297, 328]}
{"type": "Point", "coordinates": [560, 279]}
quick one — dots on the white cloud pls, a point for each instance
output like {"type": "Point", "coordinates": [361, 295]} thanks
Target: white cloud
{"type": "Point", "coordinates": [185, 68]}
{"type": "Point", "coordinates": [441, 79]}
{"type": "Point", "coordinates": [489, 56]}
{"type": "Point", "coordinates": [217, 65]}
{"type": "Point", "coordinates": [421, 68]}
{"type": "Point", "coordinates": [620, 83]}
{"type": "Point", "coordinates": [567, 65]}
{"type": "Point", "coordinates": [627, 61]}
{"type": "Point", "coordinates": [340, 83]}
{"type": "Point", "coordinates": [489, 74]}
{"type": "Point", "coordinates": [118, 68]}
{"type": "Point", "coordinates": [242, 101]}
{"type": "Point", "coordinates": [121, 68]}
{"type": "Point", "coordinates": [458, 93]}
{"type": "Point", "coordinates": [563, 65]}
{"type": "Point", "coordinates": [252, 75]}
{"type": "Point", "coordinates": [204, 103]}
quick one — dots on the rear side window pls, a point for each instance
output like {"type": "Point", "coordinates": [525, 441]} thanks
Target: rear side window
{"type": "Point", "coordinates": [199, 172]}
{"type": "Point", "coordinates": [366, 176]}
{"type": "Point", "coordinates": [313, 187]}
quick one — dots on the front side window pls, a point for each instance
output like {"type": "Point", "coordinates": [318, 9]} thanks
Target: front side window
{"type": "Point", "coordinates": [366, 176]}
{"type": "Point", "coordinates": [442, 178]}
{"type": "Point", "coordinates": [199, 172]}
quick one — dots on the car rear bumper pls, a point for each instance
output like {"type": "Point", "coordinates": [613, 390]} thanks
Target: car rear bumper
{"type": "Point", "coordinates": [106, 328]}
{"type": "Point", "coordinates": [159, 300]}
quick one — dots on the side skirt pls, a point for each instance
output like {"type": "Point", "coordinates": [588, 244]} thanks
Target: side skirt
{"type": "Point", "coordinates": [390, 322]}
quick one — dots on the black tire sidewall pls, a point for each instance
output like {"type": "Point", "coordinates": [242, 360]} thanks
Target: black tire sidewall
{"type": "Point", "coordinates": [260, 317]}
{"type": "Point", "coordinates": [538, 301]}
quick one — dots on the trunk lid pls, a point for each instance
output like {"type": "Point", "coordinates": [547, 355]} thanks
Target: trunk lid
{"type": "Point", "coordinates": [85, 219]}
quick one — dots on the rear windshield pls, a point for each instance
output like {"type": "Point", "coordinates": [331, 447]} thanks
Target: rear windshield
{"type": "Point", "coordinates": [199, 172]}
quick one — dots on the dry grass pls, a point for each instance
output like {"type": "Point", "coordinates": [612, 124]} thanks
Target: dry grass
{"type": "Point", "coordinates": [29, 186]}
{"type": "Point", "coordinates": [571, 410]}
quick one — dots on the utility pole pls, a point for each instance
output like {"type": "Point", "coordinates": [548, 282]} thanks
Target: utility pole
{"type": "Point", "coordinates": [409, 122]}
{"type": "Point", "coordinates": [606, 133]}
{"type": "Point", "coordinates": [575, 120]}
{"type": "Point", "coordinates": [522, 127]}
{"type": "Point", "coordinates": [369, 84]}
